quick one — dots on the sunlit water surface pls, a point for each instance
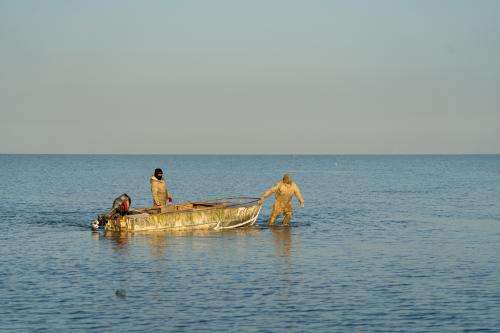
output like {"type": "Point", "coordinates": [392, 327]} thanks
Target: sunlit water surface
{"type": "Point", "coordinates": [385, 243]}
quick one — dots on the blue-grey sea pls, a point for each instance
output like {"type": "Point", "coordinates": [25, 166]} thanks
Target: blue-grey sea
{"type": "Point", "coordinates": [383, 244]}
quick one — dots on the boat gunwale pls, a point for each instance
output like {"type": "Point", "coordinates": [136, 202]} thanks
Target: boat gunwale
{"type": "Point", "coordinates": [253, 201]}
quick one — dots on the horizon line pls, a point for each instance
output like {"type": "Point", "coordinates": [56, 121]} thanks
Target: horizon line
{"type": "Point", "coordinates": [255, 154]}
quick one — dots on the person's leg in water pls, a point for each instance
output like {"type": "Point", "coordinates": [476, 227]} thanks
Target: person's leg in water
{"type": "Point", "coordinates": [274, 214]}
{"type": "Point", "coordinates": [288, 212]}
{"type": "Point", "coordinates": [287, 218]}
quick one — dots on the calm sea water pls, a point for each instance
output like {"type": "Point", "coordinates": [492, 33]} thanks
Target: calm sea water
{"type": "Point", "coordinates": [384, 243]}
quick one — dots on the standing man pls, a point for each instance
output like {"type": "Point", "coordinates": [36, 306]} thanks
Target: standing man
{"type": "Point", "coordinates": [159, 189]}
{"type": "Point", "coordinates": [283, 191]}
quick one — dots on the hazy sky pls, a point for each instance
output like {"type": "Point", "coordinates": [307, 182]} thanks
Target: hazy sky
{"type": "Point", "coordinates": [250, 76]}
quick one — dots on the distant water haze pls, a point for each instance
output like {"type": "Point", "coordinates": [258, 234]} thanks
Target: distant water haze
{"type": "Point", "coordinates": [312, 77]}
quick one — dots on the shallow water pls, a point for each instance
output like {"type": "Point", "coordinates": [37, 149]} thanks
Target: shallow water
{"type": "Point", "coordinates": [385, 243]}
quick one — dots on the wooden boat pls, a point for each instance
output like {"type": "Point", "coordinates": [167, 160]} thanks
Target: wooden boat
{"type": "Point", "coordinates": [219, 214]}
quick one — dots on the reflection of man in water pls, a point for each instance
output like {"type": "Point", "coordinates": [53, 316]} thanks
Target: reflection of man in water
{"type": "Point", "coordinates": [282, 241]}
{"type": "Point", "coordinates": [283, 191]}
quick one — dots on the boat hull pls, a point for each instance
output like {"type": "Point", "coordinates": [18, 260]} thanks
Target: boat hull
{"type": "Point", "coordinates": [214, 215]}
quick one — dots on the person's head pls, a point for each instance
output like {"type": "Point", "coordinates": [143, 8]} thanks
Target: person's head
{"type": "Point", "coordinates": [158, 173]}
{"type": "Point", "coordinates": [287, 179]}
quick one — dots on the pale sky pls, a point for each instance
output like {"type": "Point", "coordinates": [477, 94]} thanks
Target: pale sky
{"type": "Point", "coordinates": [290, 77]}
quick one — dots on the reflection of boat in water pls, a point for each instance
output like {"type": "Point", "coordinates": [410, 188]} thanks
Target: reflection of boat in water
{"type": "Point", "coordinates": [162, 241]}
{"type": "Point", "coordinates": [217, 214]}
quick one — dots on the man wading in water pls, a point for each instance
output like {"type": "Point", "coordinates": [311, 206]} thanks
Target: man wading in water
{"type": "Point", "coordinates": [283, 191]}
{"type": "Point", "coordinates": [159, 190]}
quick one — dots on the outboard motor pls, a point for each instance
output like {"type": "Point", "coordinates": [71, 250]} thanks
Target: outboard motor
{"type": "Point", "coordinates": [120, 207]}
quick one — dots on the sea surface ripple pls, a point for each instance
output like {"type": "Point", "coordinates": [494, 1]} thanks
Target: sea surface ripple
{"type": "Point", "coordinates": [384, 243]}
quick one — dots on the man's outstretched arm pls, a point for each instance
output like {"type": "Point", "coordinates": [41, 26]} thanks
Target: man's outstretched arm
{"type": "Point", "coordinates": [266, 194]}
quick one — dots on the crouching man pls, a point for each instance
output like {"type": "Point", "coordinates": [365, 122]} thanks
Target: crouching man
{"type": "Point", "coordinates": [283, 191]}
